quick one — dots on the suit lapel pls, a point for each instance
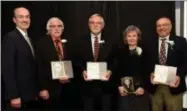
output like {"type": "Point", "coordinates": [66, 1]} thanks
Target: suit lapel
{"type": "Point", "coordinates": [170, 48]}
{"type": "Point", "coordinates": [51, 48]}
{"type": "Point", "coordinates": [157, 50]}
{"type": "Point", "coordinates": [90, 50]}
{"type": "Point", "coordinates": [24, 41]}
{"type": "Point", "coordinates": [102, 48]}
{"type": "Point", "coordinates": [65, 50]}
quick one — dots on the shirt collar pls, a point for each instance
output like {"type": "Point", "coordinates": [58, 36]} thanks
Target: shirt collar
{"type": "Point", "coordinates": [54, 39]}
{"type": "Point", "coordinates": [22, 32]}
{"type": "Point", "coordinates": [167, 37]}
{"type": "Point", "coordinates": [93, 36]}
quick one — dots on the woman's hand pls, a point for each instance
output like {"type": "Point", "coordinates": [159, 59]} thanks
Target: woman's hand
{"type": "Point", "coordinates": [139, 91]}
{"type": "Point", "coordinates": [122, 91]}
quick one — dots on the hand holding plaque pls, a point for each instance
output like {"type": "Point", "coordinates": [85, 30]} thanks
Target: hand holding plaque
{"type": "Point", "coordinates": [164, 74]}
{"type": "Point", "coordinates": [139, 91]}
{"type": "Point", "coordinates": [61, 69]}
{"type": "Point", "coordinates": [64, 79]}
{"type": "Point", "coordinates": [106, 75]}
{"type": "Point", "coordinates": [85, 76]}
{"type": "Point", "coordinates": [122, 91]}
{"type": "Point", "coordinates": [96, 70]}
{"type": "Point", "coordinates": [175, 83]}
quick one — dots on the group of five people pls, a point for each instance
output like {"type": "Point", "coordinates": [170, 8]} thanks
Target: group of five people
{"type": "Point", "coordinates": [27, 77]}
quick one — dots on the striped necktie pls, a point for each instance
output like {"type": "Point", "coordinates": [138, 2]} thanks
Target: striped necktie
{"type": "Point", "coordinates": [96, 49]}
{"type": "Point", "coordinates": [59, 49]}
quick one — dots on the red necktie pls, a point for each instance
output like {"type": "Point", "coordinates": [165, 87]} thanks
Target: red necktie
{"type": "Point", "coordinates": [59, 50]}
{"type": "Point", "coordinates": [96, 49]}
{"type": "Point", "coordinates": [162, 56]}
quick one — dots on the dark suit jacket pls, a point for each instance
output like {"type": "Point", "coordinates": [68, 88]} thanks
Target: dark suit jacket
{"type": "Point", "coordinates": [130, 65]}
{"type": "Point", "coordinates": [18, 68]}
{"type": "Point", "coordinates": [177, 57]}
{"type": "Point", "coordinates": [86, 55]}
{"type": "Point", "coordinates": [46, 52]}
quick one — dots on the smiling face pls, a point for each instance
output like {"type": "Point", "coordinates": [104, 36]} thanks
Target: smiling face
{"type": "Point", "coordinates": [96, 24]}
{"type": "Point", "coordinates": [55, 28]}
{"type": "Point", "coordinates": [163, 27]}
{"type": "Point", "coordinates": [22, 18]}
{"type": "Point", "coordinates": [132, 38]}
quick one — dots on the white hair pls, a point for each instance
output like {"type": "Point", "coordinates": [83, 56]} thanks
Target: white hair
{"type": "Point", "coordinates": [52, 19]}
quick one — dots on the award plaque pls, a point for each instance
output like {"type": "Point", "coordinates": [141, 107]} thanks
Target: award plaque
{"type": "Point", "coordinates": [61, 68]}
{"type": "Point", "coordinates": [128, 84]}
{"type": "Point", "coordinates": [96, 70]}
{"type": "Point", "coordinates": [164, 74]}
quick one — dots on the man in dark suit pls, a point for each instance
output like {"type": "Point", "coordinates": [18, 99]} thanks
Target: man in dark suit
{"type": "Point", "coordinates": [168, 50]}
{"type": "Point", "coordinates": [95, 47]}
{"type": "Point", "coordinates": [18, 64]}
{"type": "Point", "coordinates": [58, 93]}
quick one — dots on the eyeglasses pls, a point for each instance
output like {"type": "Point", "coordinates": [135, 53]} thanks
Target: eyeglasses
{"type": "Point", "coordinates": [97, 23]}
{"type": "Point", "coordinates": [163, 25]}
{"type": "Point", "coordinates": [21, 16]}
{"type": "Point", "coordinates": [54, 26]}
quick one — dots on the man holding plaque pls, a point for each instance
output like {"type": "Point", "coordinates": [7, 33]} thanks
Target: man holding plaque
{"type": "Point", "coordinates": [19, 64]}
{"type": "Point", "coordinates": [96, 66]}
{"type": "Point", "coordinates": [55, 89]}
{"type": "Point", "coordinates": [168, 50]}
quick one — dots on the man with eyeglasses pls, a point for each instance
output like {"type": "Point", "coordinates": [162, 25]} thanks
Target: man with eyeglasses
{"type": "Point", "coordinates": [54, 94]}
{"type": "Point", "coordinates": [96, 47]}
{"type": "Point", "coordinates": [168, 50]}
{"type": "Point", "coordinates": [19, 65]}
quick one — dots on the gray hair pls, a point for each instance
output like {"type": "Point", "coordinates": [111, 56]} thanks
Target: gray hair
{"type": "Point", "coordinates": [50, 20]}
{"type": "Point", "coordinates": [132, 28]}
{"type": "Point", "coordinates": [97, 15]}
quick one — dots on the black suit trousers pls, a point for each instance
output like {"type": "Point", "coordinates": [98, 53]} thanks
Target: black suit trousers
{"type": "Point", "coordinates": [97, 100]}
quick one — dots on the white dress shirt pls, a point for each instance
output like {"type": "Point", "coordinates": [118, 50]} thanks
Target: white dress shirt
{"type": "Point", "coordinates": [25, 35]}
{"type": "Point", "coordinates": [93, 40]}
{"type": "Point", "coordinates": [166, 45]}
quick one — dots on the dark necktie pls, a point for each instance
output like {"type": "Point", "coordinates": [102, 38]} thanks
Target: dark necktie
{"type": "Point", "coordinates": [162, 56]}
{"type": "Point", "coordinates": [96, 49]}
{"type": "Point", "coordinates": [58, 49]}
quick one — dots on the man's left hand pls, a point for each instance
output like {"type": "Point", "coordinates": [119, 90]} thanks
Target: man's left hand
{"type": "Point", "coordinates": [64, 79]}
{"type": "Point", "coordinates": [176, 83]}
{"type": "Point", "coordinates": [106, 76]}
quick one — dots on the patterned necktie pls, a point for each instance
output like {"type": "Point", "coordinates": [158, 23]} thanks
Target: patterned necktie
{"type": "Point", "coordinates": [162, 56]}
{"type": "Point", "coordinates": [59, 49]}
{"type": "Point", "coordinates": [96, 49]}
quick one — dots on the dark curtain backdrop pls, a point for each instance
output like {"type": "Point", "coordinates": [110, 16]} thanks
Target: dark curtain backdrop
{"type": "Point", "coordinates": [117, 14]}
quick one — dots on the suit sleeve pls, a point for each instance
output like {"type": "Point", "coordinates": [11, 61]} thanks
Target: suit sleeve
{"type": "Point", "coordinates": [182, 69]}
{"type": "Point", "coordinates": [113, 62]}
{"type": "Point", "coordinates": [74, 57]}
{"type": "Point", "coordinates": [79, 59]}
{"type": "Point", "coordinates": [9, 68]}
{"type": "Point", "coordinates": [42, 79]}
{"type": "Point", "coordinates": [111, 58]}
